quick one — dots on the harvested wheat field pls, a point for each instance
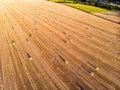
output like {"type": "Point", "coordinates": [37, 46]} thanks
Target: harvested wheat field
{"type": "Point", "coordinates": [49, 46]}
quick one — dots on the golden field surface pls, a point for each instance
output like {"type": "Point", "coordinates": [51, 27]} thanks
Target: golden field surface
{"type": "Point", "coordinates": [49, 46]}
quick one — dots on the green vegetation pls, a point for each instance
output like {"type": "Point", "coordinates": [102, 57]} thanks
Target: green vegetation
{"type": "Point", "coordinates": [86, 8]}
{"type": "Point", "coordinates": [62, 1]}
{"type": "Point", "coordinates": [90, 6]}
{"type": "Point", "coordinates": [83, 7]}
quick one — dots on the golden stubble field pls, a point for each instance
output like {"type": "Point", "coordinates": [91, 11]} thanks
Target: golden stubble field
{"type": "Point", "coordinates": [49, 46]}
